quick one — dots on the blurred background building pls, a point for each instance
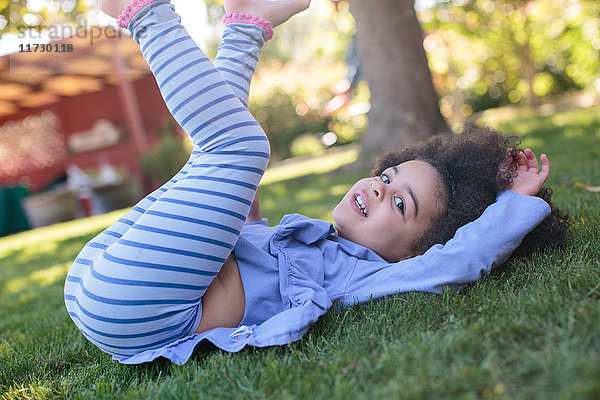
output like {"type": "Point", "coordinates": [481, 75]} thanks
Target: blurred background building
{"type": "Point", "coordinates": [74, 123]}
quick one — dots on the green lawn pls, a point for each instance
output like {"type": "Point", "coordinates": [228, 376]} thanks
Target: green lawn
{"type": "Point", "coordinates": [530, 333]}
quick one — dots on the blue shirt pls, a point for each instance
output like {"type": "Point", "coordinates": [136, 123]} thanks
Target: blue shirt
{"type": "Point", "coordinates": [293, 272]}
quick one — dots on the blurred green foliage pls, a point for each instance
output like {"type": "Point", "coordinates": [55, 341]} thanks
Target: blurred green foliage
{"type": "Point", "coordinates": [486, 53]}
{"type": "Point", "coordinates": [295, 76]}
{"type": "Point", "coordinates": [289, 101]}
{"type": "Point", "coordinates": [17, 16]}
{"type": "Point", "coordinates": [482, 54]}
{"type": "Point", "coordinates": [316, 34]}
{"type": "Point", "coordinates": [306, 145]}
{"type": "Point", "coordinates": [167, 157]}
{"type": "Point", "coordinates": [279, 118]}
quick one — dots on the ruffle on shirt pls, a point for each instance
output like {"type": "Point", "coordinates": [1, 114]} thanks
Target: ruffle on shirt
{"type": "Point", "coordinates": [303, 265]}
{"type": "Point", "coordinates": [301, 274]}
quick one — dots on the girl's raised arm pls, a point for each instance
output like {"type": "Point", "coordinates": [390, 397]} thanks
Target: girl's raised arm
{"type": "Point", "coordinates": [475, 249]}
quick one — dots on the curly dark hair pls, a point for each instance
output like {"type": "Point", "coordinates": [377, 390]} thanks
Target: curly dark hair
{"type": "Point", "coordinates": [475, 167]}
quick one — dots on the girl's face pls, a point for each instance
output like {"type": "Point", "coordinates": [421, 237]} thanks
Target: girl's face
{"type": "Point", "coordinates": [388, 213]}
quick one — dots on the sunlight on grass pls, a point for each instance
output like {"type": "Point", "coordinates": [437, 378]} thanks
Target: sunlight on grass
{"type": "Point", "coordinates": [284, 171]}
{"type": "Point", "coordinates": [315, 165]}
{"type": "Point", "coordinates": [495, 116]}
{"type": "Point", "coordinates": [27, 392]}
{"type": "Point", "coordinates": [339, 190]}
{"type": "Point", "coordinates": [577, 117]}
{"type": "Point", "coordinates": [39, 278]}
{"type": "Point", "coordinates": [59, 231]}
{"type": "Point", "coordinates": [5, 347]}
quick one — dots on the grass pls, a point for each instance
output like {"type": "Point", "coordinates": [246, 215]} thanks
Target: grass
{"type": "Point", "coordinates": [528, 333]}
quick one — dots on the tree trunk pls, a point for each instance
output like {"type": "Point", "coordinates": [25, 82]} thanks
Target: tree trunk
{"type": "Point", "coordinates": [527, 64]}
{"type": "Point", "coordinates": [404, 105]}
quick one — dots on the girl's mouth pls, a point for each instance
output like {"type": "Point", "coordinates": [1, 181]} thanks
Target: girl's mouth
{"type": "Point", "coordinates": [360, 203]}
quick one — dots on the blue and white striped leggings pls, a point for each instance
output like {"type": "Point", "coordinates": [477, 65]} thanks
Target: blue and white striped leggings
{"type": "Point", "coordinates": [139, 284]}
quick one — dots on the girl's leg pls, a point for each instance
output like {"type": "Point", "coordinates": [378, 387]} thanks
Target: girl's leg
{"type": "Point", "coordinates": [237, 56]}
{"type": "Point", "coordinates": [138, 286]}
{"type": "Point", "coordinates": [236, 60]}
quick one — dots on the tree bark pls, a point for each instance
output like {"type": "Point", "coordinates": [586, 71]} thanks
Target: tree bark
{"type": "Point", "coordinates": [404, 105]}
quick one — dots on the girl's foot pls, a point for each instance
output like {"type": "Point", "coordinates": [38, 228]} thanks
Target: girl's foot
{"type": "Point", "coordinates": [274, 11]}
{"type": "Point", "coordinates": [113, 8]}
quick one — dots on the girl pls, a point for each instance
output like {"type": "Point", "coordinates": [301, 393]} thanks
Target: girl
{"type": "Point", "coordinates": [182, 265]}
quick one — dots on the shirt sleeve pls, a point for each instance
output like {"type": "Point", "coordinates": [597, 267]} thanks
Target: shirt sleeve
{"type": "Point", "coordinates": [475, 249]}
{"type": "Point", "coordinates": [287, 326]}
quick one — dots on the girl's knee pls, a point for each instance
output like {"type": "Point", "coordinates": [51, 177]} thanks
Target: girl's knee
{"type": "Point", "coordinates": [264, 147]}
{"type": "Point", "coordinates": [259, 142]}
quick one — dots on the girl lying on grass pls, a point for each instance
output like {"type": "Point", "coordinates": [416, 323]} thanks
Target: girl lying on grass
{"type": "Point", "coordinates": [182, 265]}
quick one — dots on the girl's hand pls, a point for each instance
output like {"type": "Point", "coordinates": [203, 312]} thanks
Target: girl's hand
{"type": "Point", "coordinates": [529, 178]}
{"type": "Point", "coordinates": [274, 11]}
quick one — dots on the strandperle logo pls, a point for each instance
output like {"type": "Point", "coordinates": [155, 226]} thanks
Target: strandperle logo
{"type": "Point", "coordinates": [61, 31]}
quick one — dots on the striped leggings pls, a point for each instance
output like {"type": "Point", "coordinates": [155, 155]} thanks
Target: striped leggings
{"type": "Point", "coordinates": [138, 285]}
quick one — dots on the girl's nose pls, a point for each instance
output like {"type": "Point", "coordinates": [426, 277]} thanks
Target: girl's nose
{"type": "Point", "coordinates": [377, 189]}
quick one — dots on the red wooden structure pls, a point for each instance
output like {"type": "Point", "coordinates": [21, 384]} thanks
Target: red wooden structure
{"type": "Point", "coordinates": [50, 99]}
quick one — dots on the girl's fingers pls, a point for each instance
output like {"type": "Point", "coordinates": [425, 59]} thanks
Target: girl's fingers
{"type": "Point", "coordinates": [531, 160]}
{"type": "Point", "coordinates": [545, 172]}
{"type": "Point", "coordinates": [521, 160]}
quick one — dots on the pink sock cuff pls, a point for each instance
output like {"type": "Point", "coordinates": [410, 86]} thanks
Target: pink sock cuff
{"type": "Point", "coordinates": [131, 10]}
{"type": "Point", "coordinates": [249, 19]}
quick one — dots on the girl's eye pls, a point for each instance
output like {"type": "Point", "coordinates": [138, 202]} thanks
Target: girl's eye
{"type": "Point", "coordinates": [399, 203]}
{"type": "Point", "coordinates": [385, 179]}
